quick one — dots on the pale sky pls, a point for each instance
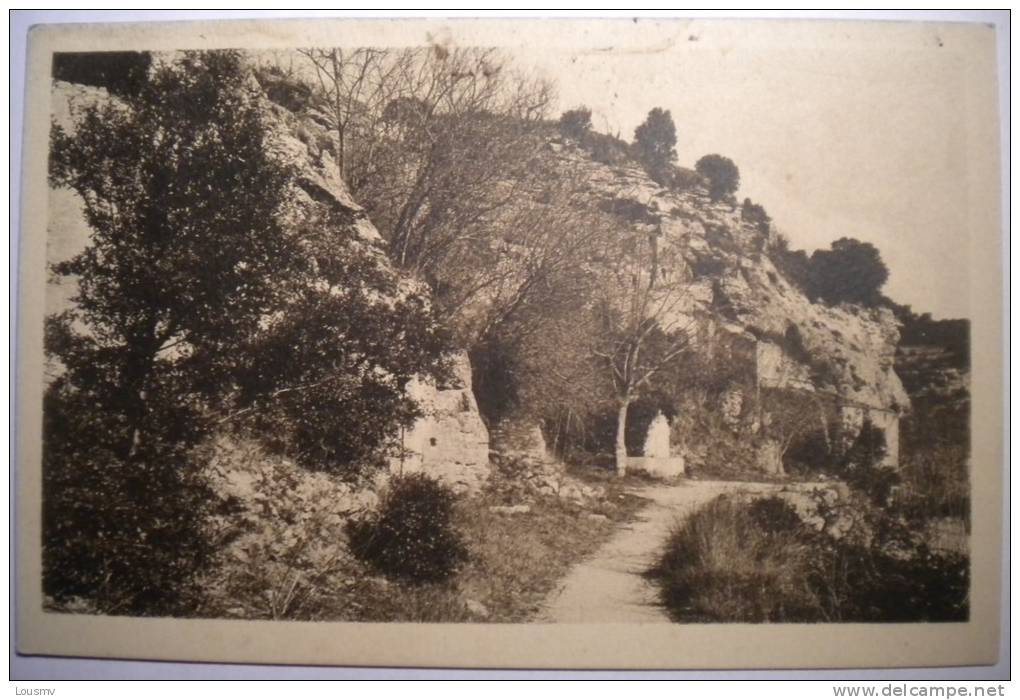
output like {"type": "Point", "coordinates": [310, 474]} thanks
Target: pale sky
{"type": "Point", "coordinates": [868, 144]}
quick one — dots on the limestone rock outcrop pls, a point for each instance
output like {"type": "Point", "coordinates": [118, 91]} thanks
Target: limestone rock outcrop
{"type": "Point", "coordinates": [746, 315]}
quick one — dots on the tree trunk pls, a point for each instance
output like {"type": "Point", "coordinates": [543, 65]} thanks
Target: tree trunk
{"type": "Point", "coordinates": [621, 437]}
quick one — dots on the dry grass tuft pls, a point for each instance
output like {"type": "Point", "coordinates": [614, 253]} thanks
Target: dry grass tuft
{"type": "Point", "coordinates": [734, 561]}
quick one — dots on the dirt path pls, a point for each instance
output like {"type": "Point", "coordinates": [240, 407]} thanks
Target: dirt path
{"type": "Point", "coordinates": [609, 587]}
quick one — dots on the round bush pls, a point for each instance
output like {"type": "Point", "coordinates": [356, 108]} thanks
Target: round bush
{"type": "Point", "coordinates": [412, 535]}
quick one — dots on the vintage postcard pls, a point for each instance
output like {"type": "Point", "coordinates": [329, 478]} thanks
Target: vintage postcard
{"type": "Point", "coordinates": [511, 343]}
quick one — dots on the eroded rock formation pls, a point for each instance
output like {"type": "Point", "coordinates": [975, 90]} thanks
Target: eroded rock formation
{"type": "Point", "coordinates": [755, 327]}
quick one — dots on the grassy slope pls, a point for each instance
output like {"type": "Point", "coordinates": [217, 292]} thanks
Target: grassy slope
{"type": "Point", "coordinates": [515, 562]}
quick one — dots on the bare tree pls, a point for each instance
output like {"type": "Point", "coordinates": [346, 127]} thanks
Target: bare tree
{"type": "Point", "coordinates": [461, 130]}
{"type": "Point", "coordinates": [438, 145]}
{"type": "Point", "coordinates": [524, 298]}
{"type": "Point", "coordinates": [645, 328]}
{"type": "Point", "coordinates": [354, 85]}
{"type": "Point", "coordinates": [787, 411]}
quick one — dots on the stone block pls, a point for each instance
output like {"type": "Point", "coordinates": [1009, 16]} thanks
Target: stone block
{"type": "Point", "coordinates": [662, 467]}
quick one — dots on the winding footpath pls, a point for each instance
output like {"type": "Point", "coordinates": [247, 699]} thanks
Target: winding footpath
{"type": "Point", "coordinates": [611, 586]}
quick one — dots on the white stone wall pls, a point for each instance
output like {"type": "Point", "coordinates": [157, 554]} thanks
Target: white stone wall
{"type": "Point", "coordinates": [450, 441]}
{"type": "Point", "coordinates": [777, 370]}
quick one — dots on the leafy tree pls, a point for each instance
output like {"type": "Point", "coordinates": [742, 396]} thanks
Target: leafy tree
{"type": "Point", "coordinates": [850, 271]}
{"type": "Point", "coordinates": [182, 202]}
{"type": "Point", "coordinates": [722, 174]}
{"type": "Point", "coordinates": [576, 123]}
{"type": "Point", "coordinates": [655, 142]}
{"type": "Point", "coordinates": [203, 297]}
{"type": "Point", "coordinates": [325, 380]}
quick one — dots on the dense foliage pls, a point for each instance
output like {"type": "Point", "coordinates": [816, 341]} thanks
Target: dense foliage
{"type": "Point", "coordinates": [933, 361]}
{"type": "Point", "coordinates": [861, 465]}
{"type": "Point", "coordinates": [655, 142]}
{"type": "Point", "coordinates": [756, 215]}
{"type": "Point", "coordinates": [412, 536]}
{"type": "Point", "coordinates": [850, 271]}
{"type": "Point", "coordinates": [120, 72]}
{"type": "Point", "coordinates": [722, 174]}
{"type": "Point", "coordinates": [176, 275]}
{"type": "Point", "coordinates": [575, 123]}
{"type": "Point", "coordinates": [193, 310]}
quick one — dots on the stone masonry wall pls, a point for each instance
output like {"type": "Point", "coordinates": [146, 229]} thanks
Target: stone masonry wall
{"type": "Point", "coordinates": [450, 441]}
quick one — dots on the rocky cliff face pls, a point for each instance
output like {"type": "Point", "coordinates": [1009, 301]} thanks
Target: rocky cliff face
{"type": "Point", "coordinates": [742, 310]}
{"type": "Point", "coordinates": [935, 367]}
{"type": "Point", "coordinates": [739, 304]}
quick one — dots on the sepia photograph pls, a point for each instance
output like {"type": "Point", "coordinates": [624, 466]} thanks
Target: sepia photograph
{"type": "Point", "coordinates": [683, 328]}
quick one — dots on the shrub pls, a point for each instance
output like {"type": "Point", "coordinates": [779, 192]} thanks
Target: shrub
{"type": "Point", "coordinates": [606, 149]}
{"type": "Point", "coordinates": [850, 271]}
{"type": "Point", "coordinates": [936, 482]}
{"type": "Point", "coordinates": [722, 174]}
{"type": "Point", "coordinates": [875, 482]}
{"type": "Point", "coordinates": [126, 536]}
{"type": "Point", "coordinates": [862, 465]}
{"type": "Point", "coordinates": [795, 265]}
{"type": "Point", "coordinates": [683, 179]}
{"type": "Point", "coordinates": [655, 140]}
{"type": "Point", "coordinates": [875, 585]}
{"type": "Point", "coordinates": [751, 562]}
{"type": "Point", "coordinates": [756, 215]}
{"type": "Point", "coordinates": [575, 123]}
{"type": "Point", "coordinates": [720, 566]}
{"type": "Point", "coordinates": [412, 535]}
